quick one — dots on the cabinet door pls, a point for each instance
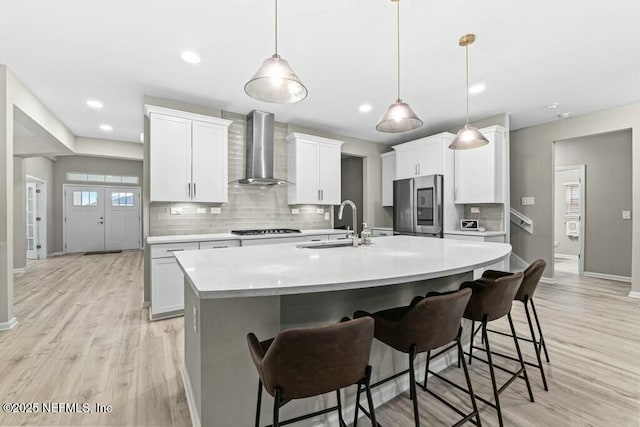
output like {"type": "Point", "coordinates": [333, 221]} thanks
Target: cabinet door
{"type": "Point", "coordinates": [170, 159]}
{"type": "Point", "coordinates": [306, 185]}
{"type": "Point", "coordinates": [430, 157]}
{"type": "Point", "coordinates": [329, 174]}
{"type": "Point", "coordinates": [475, 175]}
{"type": "Point", "coordinates": [209, 162]}
{"type": "Point", "coordinates": [167, 287]}
{"type": "Point", "coordinates": [406, 163]}
{"type": "Point", "coordinates": [388, 175]}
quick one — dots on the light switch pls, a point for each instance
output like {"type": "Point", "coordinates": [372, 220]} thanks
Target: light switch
{"type": "Point", "coordinates": [295, 211]}
{"type": "Point", "coordinates": [528, 201]}
{"type": "Point", "coordinates": [626, 214]}
{"type": "Point", "coordinates": [320, 210]}
{"type": "Point", "coordinates": [216, 210]}
{"type": "Point", "coordinates": [201, 210]}
{"type": "Point", "coordinates": [326, 216]}
{"type": "Point", "coordinates": [475, 210]}
{"type": "Point", "coordinates": [177, 211]}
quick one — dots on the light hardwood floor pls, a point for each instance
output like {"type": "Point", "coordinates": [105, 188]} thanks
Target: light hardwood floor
{"type": "Point", "coordinates": [83, 337]}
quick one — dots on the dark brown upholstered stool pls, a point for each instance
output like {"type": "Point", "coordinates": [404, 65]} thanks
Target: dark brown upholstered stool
{"type": "Point", "coordinates": [491, 300]}
{"type": "Point", "coordinates": [425, 325]}
{"type": "Point", "coordinates": [306, 362]}
{"type": "Point", "coordinates": [532, 276]}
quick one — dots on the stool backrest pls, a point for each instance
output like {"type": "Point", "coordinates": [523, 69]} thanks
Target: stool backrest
{"type": "Point", "coordinates": [532, 276]}
{"type": "Point", "coordinates": [494, 299]}
{"type": "Point", "coordinates": [434, 321]}
{"type": "Point", "coordinates": [307, 362]}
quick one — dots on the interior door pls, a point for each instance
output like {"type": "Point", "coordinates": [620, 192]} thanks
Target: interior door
{"type": "Point", "coordinates": [122, 218]}
{"type": "Point", "coordinates": [84, 219]}
{"type": "Point", "coordinates": [33, 231]}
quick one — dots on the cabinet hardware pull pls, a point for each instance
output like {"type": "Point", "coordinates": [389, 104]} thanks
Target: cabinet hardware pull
{"type": "Point", "coordinates": [218, 247]}
{"type": "Point", "coordinates": [175, 250]}
{"type": "Point", "coordinates": [194, 190]}
{"type": "Point", "coordinates": [189, 188]}
{"type": "Point", "coordinates": [316, 240]}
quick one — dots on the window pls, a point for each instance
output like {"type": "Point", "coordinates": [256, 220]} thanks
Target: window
{"type": "Point", "coordinates": [121, 199]}
{"type": "Point", "coordinates": [572, 199]}
{"type": "Point", "coordinates": [95, 177]}
{"type": "Point", "coordinates": [85, 198]}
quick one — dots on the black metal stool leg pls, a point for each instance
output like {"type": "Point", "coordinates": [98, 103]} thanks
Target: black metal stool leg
{"type": "Point", "coordinates": [339, 400]}
{"type": "Point", "coordinates": [524, 369]}
{"type": "Point", "coordinates": [473, 325]}
{"type": "Point", "coordinates": [276, 408]}
{"type": "Point", "coordinates": [542, 343]}
{"type": "Point", "coordinates": [372, 411]}
{"type": "Point", "coordinates": [426, 369]}
{"type": "Point", "coordinates": [493, 375]}
{"type": "Point", "coordinates": [259, 403]}
{"type": "Point", "coordinates": [355, 416]}
{"type": "Point", "coordinates": [469, 386]}
{"type": "Point", "coordinates": [412, 385]}
{"type": "Point", "coordinates": [536, 347]}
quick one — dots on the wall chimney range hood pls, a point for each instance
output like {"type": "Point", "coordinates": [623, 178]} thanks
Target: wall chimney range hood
{"type": "Point", "coordinates": [260, 142]}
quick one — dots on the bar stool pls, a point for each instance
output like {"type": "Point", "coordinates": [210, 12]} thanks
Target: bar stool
{"type": "Point", "coordinates": [425, 325]}
{"type": "Point", "coordinates": [306, 362]}
{"type": "Point", "coordinates": [491, 300]}
{"type": "Point", "coordinates": [532, 276]}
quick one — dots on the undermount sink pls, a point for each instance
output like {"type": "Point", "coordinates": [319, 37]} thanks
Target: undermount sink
{"type": "Point", "coordinates": [326, 245]}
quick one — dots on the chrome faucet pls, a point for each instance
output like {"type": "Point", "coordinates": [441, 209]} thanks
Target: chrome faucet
{"type": "Point", "coordinates": [354, 211]}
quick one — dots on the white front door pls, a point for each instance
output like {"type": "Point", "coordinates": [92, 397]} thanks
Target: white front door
{"type": "Point", "coordinates": [122, 218]}
{"type": "Point", "coordinates": [84, 218]}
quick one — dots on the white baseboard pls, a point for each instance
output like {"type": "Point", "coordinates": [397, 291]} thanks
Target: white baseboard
{"type": "Point", "coordinates": [5, 326]}
{"type": "Point", "coordinates": [607, 276]}
{"type": "Point", "coordinates": [565, 256]}
{"type": "Point", "coordinates": [55, 254]}
{"type": "Point", "coordinates": [634, 294]}
{"type": "Point", "coordinates": [548, 280]}
{"type": "Point", "coordinates": [19, 270]}
{"type": "Point", "coordinates": [191, 400]}
{"type": "Point", "coordinates": [146, 304]}
{"type": "Point", "coordinates": [518, 262]}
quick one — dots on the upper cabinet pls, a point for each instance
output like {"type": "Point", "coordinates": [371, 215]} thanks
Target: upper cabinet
{"type": "Point", "coordinates": [425, 156]}
{"type": "Point", "coordinates": [313, 169]}
{"type": "Point", "coordinates": [188, 156]}
{"type": "Point", "coordinates": [388, 175]}
{"type": "Point", "coordinates": [481, 173]}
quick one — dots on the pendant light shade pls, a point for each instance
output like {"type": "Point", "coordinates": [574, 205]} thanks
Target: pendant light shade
{"type": "Point", "coordinates": [468, 137]}
{"type": "Point", "coordinates": [399, 116]}
{"type": "Point", "coordinates": [275, 81]}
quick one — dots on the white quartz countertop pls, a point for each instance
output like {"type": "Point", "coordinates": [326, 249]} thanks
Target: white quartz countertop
{"type": "Point", "coordinates": [476, 233]}
{"type": "Point", "coordinates": [286, 269]}
{"type": "Point", "coordinates": [154, 240]}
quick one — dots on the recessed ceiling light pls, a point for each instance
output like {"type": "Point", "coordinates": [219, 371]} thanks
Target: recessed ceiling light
{"type": "Point", "coordinates": [190, 57]}
{"type": "Point", "coordinates": [477, 88]}
{"type": "Point", "coordinates": [142, 137]}
{"type": "Point", "coordinates": [553, 106]}
{"type": "Point", "coordinates": [105, 127]}
{"type": "Point", "coordinates": [365, 108]}
{"type": "Point", "coordinates": [94, 103]}
{"type": "Point", "coordinates": [564, 115]}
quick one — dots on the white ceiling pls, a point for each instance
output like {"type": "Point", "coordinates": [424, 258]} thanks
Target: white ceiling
{"type": "Point", "coordinates": [579, 53]}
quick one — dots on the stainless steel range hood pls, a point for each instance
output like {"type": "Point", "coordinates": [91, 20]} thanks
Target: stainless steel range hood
{"type": "Point", "coordinates": [259, 167]}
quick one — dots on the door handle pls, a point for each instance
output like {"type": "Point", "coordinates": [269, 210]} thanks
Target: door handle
{"type": "Point", "coordinates": [100, 222]}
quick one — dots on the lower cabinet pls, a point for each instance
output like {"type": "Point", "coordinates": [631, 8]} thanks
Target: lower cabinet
{"type": "Point", "coordinates": [167, 293]}
{"type": "Point", "coordinates": [381, 232]}
{"type": "Point", "coordinates": [502, 265]}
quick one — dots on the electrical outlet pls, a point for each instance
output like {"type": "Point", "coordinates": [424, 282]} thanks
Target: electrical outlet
{"type": "Point", "coordinates": [326, 216]}
{"type": "Point", "coordinates": [319, 210]}
{"type": "Point", "coordinates": [216, 210]}
{"type": "Point", "coordinates": [195, 319]}
{"type": "Point", "coordinates": [475, 210]}
{"type": "Point", "coordinates": [176, 211]}
{"type": "Point", "coordinates": [528, 201]}
{"type": "Point", "coordinates": [201, 210]}
{"type": "Point", "coordinates": [626, 214]}
{"type": "Point", "coordinates": [295, 211]}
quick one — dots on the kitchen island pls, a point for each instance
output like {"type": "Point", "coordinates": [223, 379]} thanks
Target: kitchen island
{"type": "Point", "coordinates": [266, 289]}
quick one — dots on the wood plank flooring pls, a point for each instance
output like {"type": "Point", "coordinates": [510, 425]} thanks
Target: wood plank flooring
{"type": "Point", "coordinates": [83, 337]}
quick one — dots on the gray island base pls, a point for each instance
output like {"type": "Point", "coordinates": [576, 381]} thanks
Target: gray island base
{"type": "Point", "coordinates": [231, 292]}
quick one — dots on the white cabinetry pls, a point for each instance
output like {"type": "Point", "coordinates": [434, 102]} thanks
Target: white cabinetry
{"type": "Point", "coordinates": [422, 157]}
{"type": "Point", "coordinates": [480, 173]}
{"type": "Point", "coordinates": [188, 156]}
{"type": "Point", "coordinates": [167, 280]}
{"type": "Point", "coordinates": [313, 170]}
{"type": "Point", "coordinates": [281, 240]}
{"type": "Point", "coordinates": [388, 175]}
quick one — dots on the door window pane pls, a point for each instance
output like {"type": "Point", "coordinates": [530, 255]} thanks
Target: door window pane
{"type": "Point", "coordinates": [85, 198]}
{"type": "Point", "coordinates": [121, 199]}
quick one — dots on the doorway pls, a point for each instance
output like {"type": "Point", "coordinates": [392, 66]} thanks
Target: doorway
{"type": "Point", "coordinates": [352, 188]}
{"type": "Point", "coordinates": [36, 218]}
{"type": "Point", "coordinates": [569, 221]}
{"type": "Point", "coordinates": [99, 218]}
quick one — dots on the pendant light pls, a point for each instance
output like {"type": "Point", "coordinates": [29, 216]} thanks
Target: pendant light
{"type": "Point", "coordinates": [468, 137]}
{"type": "Point", "coordinates": [275, 81]}
{"type": "Point", "coordinates": [399, 116]}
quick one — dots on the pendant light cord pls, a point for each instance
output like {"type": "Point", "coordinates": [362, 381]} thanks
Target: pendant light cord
{"type": "Point", "coordinates": [466, 48]}
{"type": "Point", "coordinates": [398, 29]}
{"type": "Point", "coordinates": [276, 32]}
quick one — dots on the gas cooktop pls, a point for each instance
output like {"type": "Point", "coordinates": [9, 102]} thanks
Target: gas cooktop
{"type": "Point", "coordinates": [265, 231]}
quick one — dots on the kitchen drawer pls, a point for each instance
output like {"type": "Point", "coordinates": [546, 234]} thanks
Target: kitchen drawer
{"type": "Point", "coordinates": [338, 236]}
{"type": "Point", "coordinates": [219, 244]}
{"type": "Point", "coordinates": [280, 240]}
{"type": "Point", "coordinates": [376, 232]}
{"type": "Point", "coordinates": [166, 250]}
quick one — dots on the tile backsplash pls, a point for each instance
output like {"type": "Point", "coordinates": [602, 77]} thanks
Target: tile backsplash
{"type": "Point", "coordinates": [491, 215]}
{"type": "Point", "coordinates": [248, 206]}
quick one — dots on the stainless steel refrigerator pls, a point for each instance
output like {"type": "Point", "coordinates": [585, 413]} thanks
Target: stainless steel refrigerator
{"type": "Point", "coordinates": [417, 206]}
